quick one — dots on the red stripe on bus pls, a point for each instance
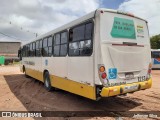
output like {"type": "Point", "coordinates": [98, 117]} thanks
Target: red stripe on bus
{"type": "Point", "coordinates": [119, 44]}
{"type": "Point", "coordinates": [128, 45]}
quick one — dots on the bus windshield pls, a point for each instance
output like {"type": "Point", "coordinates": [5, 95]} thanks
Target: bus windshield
{"type": "Point", "coordinates": [155, 54]}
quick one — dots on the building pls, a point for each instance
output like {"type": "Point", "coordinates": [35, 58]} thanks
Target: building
{"type": "Point", "coordinates": [9, 49]}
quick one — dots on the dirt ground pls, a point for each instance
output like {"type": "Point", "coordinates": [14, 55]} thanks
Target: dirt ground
{"type": "Point", "coordinates": [18, 93]}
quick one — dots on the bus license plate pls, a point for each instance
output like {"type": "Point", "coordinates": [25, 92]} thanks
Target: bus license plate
{"type": "Point", "coordinates": [129, 76]}
{"type": "Point", "coordinates": [131, 88]}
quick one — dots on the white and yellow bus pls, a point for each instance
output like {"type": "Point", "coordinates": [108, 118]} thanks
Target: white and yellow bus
{"type": "Point", "coordinates": [155, 54]}
{"type": "Point", "coordinates": [104, 53]}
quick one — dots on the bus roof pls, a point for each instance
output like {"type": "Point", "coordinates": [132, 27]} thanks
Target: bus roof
{"type": "Point", "coordinates": [79, 20]}
{"type": "Point", "coordinates": [155, 49]}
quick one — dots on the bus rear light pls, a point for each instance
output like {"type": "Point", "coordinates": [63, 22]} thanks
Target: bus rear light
{"type": "Point", "coordinates": [104, 75]}
{"type": "Point", "coordinates": [102, 69]}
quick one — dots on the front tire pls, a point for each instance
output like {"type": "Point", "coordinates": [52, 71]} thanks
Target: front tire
{"type": "Point", "coordinates": [47, 82]}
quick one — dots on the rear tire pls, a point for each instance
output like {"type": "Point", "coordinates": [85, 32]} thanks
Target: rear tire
{"type": "Point", "coordinates": [47, 82]}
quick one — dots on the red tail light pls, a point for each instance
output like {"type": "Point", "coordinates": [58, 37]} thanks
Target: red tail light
{"type": "Point", "coordinates": [104, 75]}
{"type": "Point", "coordinates": [102, 72]}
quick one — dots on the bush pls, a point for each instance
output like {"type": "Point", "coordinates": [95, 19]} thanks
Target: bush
{"type": "Point", "coordinates": [155, 42]}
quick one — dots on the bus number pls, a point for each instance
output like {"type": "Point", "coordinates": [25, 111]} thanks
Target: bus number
{"type": "Point", "coordinates": [141, 78]}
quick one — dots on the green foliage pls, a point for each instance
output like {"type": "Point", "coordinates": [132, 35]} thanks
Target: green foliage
{"type": "Point", "coordinates": [155, 42]}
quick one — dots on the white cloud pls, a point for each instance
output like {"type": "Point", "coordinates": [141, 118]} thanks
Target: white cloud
{"type": "Point", "coordinates": [20, 20]}
{"type": "Point", "coordinates": [147, 9]}
{"type": "Point", "coordinates": [29, 3]}
{"type": "Point", "coordinates": [74, 6]}
{"type": "Point", "coordinates": [40, 15]}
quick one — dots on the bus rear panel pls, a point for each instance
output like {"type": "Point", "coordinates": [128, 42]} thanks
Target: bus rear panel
{"type": "Point", "coordinates": [124, 64]}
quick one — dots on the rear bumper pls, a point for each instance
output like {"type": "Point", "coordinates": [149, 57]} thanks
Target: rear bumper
{"type": "Point", "coordinates": [127, 88]}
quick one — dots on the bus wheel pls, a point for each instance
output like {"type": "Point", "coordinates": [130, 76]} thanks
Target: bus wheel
{"type": "Point", "coordinates": [47, 82]}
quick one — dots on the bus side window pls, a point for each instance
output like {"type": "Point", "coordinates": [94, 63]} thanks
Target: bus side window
{"type": "Point", "coordinates": [20, 53]}
{"type": "Point", "coordinates": [45, 47]}
{"type": "Point", "coordinates": [33, 49]}
{"type": "Point", "coordinates": [64, 41]}
{"type": "Point", "coordinates": [86, 45]}
{"type": "Point", "coordinates": [88, 30]}
{"type": "Point", "coordinates": [155, 54]}
{"type": "Point", "coordinates": [30, 49]}
{"type": "Point", "coordinates": [56, 51]}
{"type": "Point", "coordinates": [23, 51]}
{"type": "Point", "coordinates": [60, 44]}
{"type": "Point", "coordinates": [80, 40]}
{"type": "Point", "coordinates": [70, 35]}
{"type": "Point", "coordinates": [40, 47]}
{"type": "Point", "coordinates": [50, 44]}
{"type": "Point", "coordinates": [26, 51]}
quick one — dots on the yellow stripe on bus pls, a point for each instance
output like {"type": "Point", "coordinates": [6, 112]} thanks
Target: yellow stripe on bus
{"type": "Point", "coordinates": [74, 87]}
{"type": "Point", "coordinates": [65, 84]}
{"type": "Point", "coordinates": [35, 74]}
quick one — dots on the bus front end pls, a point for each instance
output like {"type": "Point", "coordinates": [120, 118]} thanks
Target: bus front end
{"type": "Point", "coordinates": [155, 54]}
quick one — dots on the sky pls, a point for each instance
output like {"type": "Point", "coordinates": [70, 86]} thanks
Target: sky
{"type": "Point", "coordinates": [22, 19]}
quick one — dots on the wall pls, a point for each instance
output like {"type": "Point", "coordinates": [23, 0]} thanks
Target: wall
{"type": "Point", "coordinates": [9, 48]}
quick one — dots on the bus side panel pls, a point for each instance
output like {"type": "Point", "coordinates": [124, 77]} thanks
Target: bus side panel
{"type": "Point", "coordinates": [72, 74]}
{"type": "Point", "coordinates": [33, 67]}
{"type": "Point", "coordinates": [80, 69]}
{"type": "Point", "coordinates": [97, 49]}
{"type": "Point", "coordinates": [74, 87]}
{"type": "Point", "coordinates": [55, 66]}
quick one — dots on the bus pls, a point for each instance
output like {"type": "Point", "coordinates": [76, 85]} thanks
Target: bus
{"type": "Point", "coordinates": [102, 54]}
{"type": "Point", "coordinates": [155, 54]}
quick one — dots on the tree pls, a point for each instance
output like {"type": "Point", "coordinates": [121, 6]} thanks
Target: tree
{"type": "Point", "coordinates": [155, 42]}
